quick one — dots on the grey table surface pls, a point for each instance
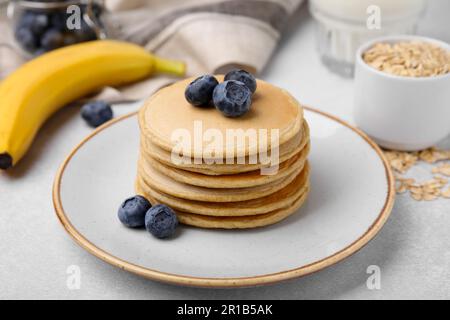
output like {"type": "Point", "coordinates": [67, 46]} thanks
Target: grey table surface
{"type": "Point", "coordinates": [412, 250]}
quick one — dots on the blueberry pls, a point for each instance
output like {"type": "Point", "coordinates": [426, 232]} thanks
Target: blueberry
{"type": "Point", "coordinates": [242, 76]}
{"type": "Point", "coordinates": [26, 39]}
{"type": "Point", "coordinates": [96, 113]}
{"type": "Point", "coordinates": [232, 98]}
{"type": "Point", "coordinates": [132, 211]}
{"type": "Point", "coordinates": [52, 39]}
{"type": "Point", "coordinates": [199, 92]}
{"type": "Point", "coordinates": [40, 24]}
{"type": "Point", "coordinates": [40, 52]}
{"type": "Point", "coordinates": [58, 20]}
{"type": "Point", "coordinates": [161, 221]}
{"type": "Point", "coordinates": [26, 19]}
{"type": "Point", "coordinates": [69, 39]}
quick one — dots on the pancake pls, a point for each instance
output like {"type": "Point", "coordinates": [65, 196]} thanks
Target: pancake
{"type": "Point", "coordinates": [245, 222]}
{"type": "Point", "coordinates": [287, 151]}
{"type": "Point", "coordinates": [277, 200]}
{"type": "Point", "coordinates": [156, 180]}
{"type": "Point", "coordinates": [233, 194]}
{"type": "Point", "coordinates": [244, 180]}
{"type": "Point", "coordinates": [168, 111]}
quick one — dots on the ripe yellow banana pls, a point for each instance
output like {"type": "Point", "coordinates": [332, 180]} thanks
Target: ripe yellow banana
{"type": "Point", "coordinates": [35, 91]}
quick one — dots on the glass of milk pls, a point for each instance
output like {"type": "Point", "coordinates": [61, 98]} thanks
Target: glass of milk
{"type": "Point", "coordinates": [344, 25]}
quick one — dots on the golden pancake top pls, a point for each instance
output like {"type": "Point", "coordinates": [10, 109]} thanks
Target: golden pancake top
{"type": "Point", "coordinates": [167, 111]}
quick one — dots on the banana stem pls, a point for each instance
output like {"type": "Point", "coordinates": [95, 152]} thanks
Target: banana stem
{"type": "Point", "coordinates": [174, 67]}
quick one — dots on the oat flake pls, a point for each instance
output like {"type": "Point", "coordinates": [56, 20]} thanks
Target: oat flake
{"type": "Point", "coordinates": [429, 190]}
{"type": "Point", "coordinates": [409, 59]}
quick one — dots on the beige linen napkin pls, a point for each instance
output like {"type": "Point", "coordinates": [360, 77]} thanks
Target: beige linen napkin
{"type": "Point", "coordinates": [211, 36]}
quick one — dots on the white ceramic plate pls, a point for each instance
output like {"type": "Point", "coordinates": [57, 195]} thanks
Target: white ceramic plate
{"type": "Point", "coordinates": [351, 198]}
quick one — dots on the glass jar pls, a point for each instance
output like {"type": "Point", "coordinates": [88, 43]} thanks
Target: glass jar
{"type": "Point", "coordinates": [344, 25]}
{"type": "Point", "coordinates": [42, 26]}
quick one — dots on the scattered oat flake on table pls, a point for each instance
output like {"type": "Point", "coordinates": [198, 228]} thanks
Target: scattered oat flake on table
{"type": "Point", "coordinates": [426, 191]}
{"type": "Point", "coordinates": [441, 180]}
{"type": "Point", "coordinates": [416, 189]}
{"type": "Point", "coordinates": [403, 184]}
{"type": "Point", "coordinates": [435, 183]}
{"type": "Point", "coordinates": [442, 169]}
{"type": "Point", "coordinates": [409, 182]}
{"type": "Point", "coordinates": [429, 190]}
{"type": "Point", "coordinates": [417, 196]}
{"type": "Point", "coordinates": [401, 188]}
{"type": "Point", "coordinates": [430, 196]}
{"type": "Point", "coordinates": [401, 161]}
{"type": "Point", "coordinates": [433, 155]}
{"type": "Point", "coordinates": [446, 193]}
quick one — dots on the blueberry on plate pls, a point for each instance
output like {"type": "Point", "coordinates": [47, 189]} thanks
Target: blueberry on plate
{"type": "Point", "coordinates": [132, 211]}
{"type": "Point", "coordinates": [199, 92]}
{"type": "Point", "coordinates": [96, 113]}
{"type": "Point", "coordinates": [232, 98]}
{"type": "Point", "coordinates": [243, 76]}
{"type": "Point", "coordinates": [161, 221]}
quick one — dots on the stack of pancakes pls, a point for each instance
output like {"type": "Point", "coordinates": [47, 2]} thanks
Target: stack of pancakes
{"type": "Point", "coordinates": [235, 192]}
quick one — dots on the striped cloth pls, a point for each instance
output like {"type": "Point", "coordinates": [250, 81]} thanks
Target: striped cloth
{"type": "Point", "coordinates": [211, 36]}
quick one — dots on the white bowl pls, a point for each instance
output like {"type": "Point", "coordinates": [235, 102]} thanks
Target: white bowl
{"type": "Point", "coordinates": [402, 113]}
